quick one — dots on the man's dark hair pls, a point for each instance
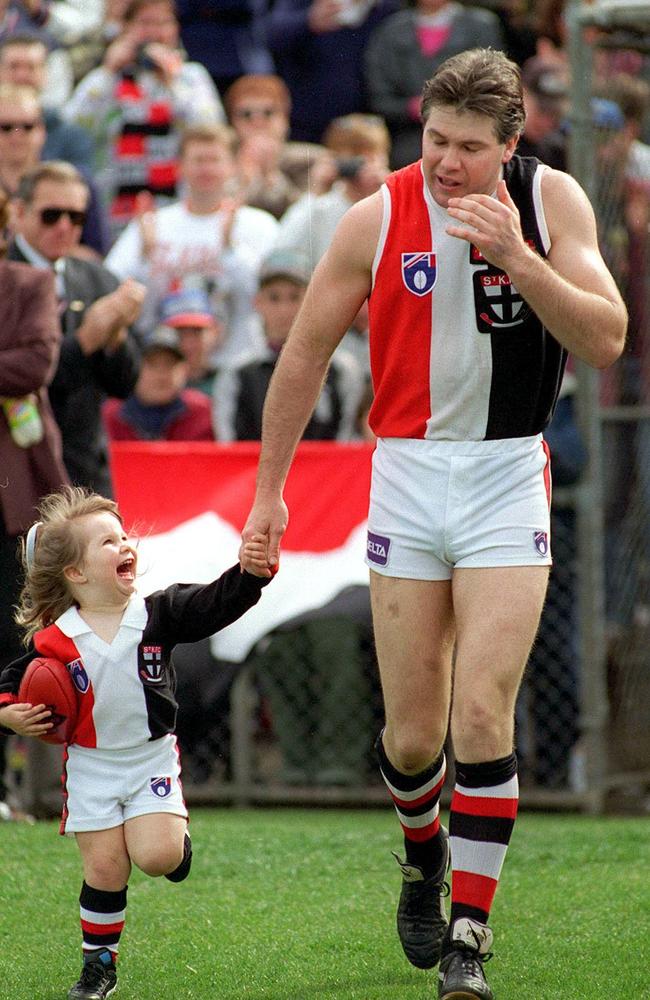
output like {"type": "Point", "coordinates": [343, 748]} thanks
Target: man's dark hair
{"type": "Point", "coordinates": [483, 82]}
{"type": "Point", "coordinates": [49, 170]}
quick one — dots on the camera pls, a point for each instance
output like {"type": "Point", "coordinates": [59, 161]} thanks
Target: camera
{"type": "Point", "coordinates": [142, 60]}
{"type": "Point", "coordinates": [349, 167]}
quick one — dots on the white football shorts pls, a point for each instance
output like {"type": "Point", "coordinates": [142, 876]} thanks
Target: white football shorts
{"type": "Point", "coordinates": [440, 505]}
{"type": "Point", "coordinates": [103, 788]}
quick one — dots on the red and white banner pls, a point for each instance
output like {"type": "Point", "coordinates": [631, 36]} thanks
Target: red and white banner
{"type": "Point", "coordinates": [188, 502]}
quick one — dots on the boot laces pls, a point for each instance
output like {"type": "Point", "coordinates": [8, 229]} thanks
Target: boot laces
{"type": "Point", "coordinates": [93, 974]}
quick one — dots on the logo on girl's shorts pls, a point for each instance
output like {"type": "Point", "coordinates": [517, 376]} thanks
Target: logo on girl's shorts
{"type": "Point", "coordinates": [419, 272]}
{"type": "Point", "coordinates": [541, 542]}
{"type": "Point", "coordinates": [378, 548]}
{"type": "Point", "coordinates": [79, 676]}
{"type": "Point", "coordinates": [161, 787]}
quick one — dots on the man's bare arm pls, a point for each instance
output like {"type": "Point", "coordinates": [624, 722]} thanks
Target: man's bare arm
{"type": "Point", "coordinates": [573, 292]}
{"type": "Point", "coordinates": [335, 294]}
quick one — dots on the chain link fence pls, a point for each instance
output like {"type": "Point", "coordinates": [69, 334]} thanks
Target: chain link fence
{"type": "Point", "coordinates": [610, 61]}
{"type": "Point", "coordinates": [297, 721]}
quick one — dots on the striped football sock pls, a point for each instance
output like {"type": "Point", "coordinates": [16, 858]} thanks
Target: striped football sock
{"type": "Point", "coordinates": [482, 815]}
{"type": "Point", "coordinates": [416, 798]}
{"type": "Point", "coordinates": [102, 918]}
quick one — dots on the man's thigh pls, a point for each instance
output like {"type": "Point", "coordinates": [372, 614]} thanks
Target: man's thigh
{"type": "Point", "coordinates": [414, 638]}
{"type": "Point", "coordinates": [497, 612]}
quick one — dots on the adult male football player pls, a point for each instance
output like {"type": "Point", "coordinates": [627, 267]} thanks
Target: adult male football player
{"type": "Point", "coordinates": [482, 271]}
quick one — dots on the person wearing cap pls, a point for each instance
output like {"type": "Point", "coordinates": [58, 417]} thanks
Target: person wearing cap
{"type": "Point", "coordinates": [321, 658]}
{"type": "Point", "coordinates": [161, 407]}
{"type": "Point", "coordinates": [545, 89]}
{"type": "Point", "coordinates": [239, 392]}
{"type": "Point", "coordinates": [199, 330]}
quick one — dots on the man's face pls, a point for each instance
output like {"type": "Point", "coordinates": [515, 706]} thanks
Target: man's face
{"type": "Point", "coordinates": [461, 154]}
{"type": "Point", "coordinates": [155, 22]}
{"type": "Point", "coordinates": [278, 303]}
{"type": "Point", "coordinates": [206, 166]}
{"type": "Point", "coordinates": [38, 223]}
{"type": "Point", "coordinates": [22, 133]}
{"type": "Point", "coordinates": [24, 65]}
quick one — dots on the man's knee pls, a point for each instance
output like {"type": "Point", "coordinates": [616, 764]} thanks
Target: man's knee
{"type": "Point", "coordinates": [480, 727]}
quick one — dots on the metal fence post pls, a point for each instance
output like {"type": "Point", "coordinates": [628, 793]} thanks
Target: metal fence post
{"type": "Point", "coordinates": [591, 611]}
{"type": "Point", "coordinates": [242, 704]}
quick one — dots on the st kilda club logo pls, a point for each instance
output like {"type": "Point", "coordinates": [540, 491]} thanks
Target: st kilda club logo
{"type": "Point", "coordinates": [497, 303]}
{"type": "Point", "coordinates": [151, 667]}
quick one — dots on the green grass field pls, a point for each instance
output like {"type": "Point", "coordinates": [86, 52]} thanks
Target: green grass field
{"type": "Point", "coordinates": [295, 905]}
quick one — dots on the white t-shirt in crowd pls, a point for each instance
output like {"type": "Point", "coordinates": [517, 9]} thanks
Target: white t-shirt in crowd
{"type": "Point", "coordinates": [189, 253]}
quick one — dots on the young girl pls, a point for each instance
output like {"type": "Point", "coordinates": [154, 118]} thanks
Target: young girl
{"type": "Point", "coordinates": [123, 798]}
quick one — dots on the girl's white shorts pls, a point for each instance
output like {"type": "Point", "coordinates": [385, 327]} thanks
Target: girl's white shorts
{"type": "Point", "coordinates": [103, 788]}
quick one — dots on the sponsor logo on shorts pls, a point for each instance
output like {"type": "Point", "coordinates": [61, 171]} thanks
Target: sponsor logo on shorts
{"type": "Point", "coordinates": [79, 676]}
{"type": "Point", "coordinates": [541, 542]}
{"type": "Point", "coordinates": [161, 787]}
{"type": "Point", "coordinates": [378, 548]}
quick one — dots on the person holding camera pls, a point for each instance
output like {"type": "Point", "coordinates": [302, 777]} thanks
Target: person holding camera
{"type": "Point", "coordinates": [136, 102]}
{"type": "Point", "coordinates": [360, 147]}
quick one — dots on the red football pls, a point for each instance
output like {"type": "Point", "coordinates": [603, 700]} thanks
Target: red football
{"type": "Point", "coordinates": [47, 682]}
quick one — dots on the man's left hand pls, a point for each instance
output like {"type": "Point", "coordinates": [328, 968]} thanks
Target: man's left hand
{"type": "Point", "coordinates": [491, 224]}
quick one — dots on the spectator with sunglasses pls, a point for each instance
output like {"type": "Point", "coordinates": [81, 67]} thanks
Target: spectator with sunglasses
{"type": "Point", "coordinates": [258, 107]}
{"type": "Point", "coordinates": [99, 356]}
{"type": "Point", "coordinates": [23, 62]}
{"type": "Point", "coordinates": [23, 135]}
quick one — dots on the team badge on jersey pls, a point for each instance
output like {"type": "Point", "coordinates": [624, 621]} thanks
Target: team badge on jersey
{"type": "Point", "coordinates": [419, 272]}
{"type": "Point", "coordinates": [161, 787]}
{"type": "Point", "coordinates": [79, 676]}
{"type": "Point", "coordinates": [541, 542]}
{"type": "Point", "coordinates": [151, 670]}
{"type": "Point", "coordinates": [498, 304]}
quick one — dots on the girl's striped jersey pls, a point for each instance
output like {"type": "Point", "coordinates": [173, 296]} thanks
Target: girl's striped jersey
{"type": "Point", "coordinates": [126, 688]}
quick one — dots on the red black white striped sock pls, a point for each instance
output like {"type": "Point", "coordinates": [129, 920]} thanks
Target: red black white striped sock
{"type": "Point", "coordinates": [102, 918]}
{"type": "Point", "coordinates": [416, 798]}
{"type": "Point", "coordinates": [483, 811]}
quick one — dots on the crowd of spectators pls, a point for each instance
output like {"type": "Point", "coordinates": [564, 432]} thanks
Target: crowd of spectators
{"type": "Point", "coordinates": [181, 167]}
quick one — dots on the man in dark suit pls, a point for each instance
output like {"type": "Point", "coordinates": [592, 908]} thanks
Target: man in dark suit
{"type": "Point", "coordinates": [99, 357]}
{"type": "Point", "coordinates": [30, 445]}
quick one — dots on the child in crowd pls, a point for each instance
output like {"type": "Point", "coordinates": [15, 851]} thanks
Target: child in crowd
{"type": "Point", "coordinates": [122, 793]}
{"type": "Point", "coordinates": [161, 407]}
{"type": "Point", "coordinates": [239, 392]}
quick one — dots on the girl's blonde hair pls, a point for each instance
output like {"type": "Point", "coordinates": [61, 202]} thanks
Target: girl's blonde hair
{"type": "Point", "coordinates": [57, 543]}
